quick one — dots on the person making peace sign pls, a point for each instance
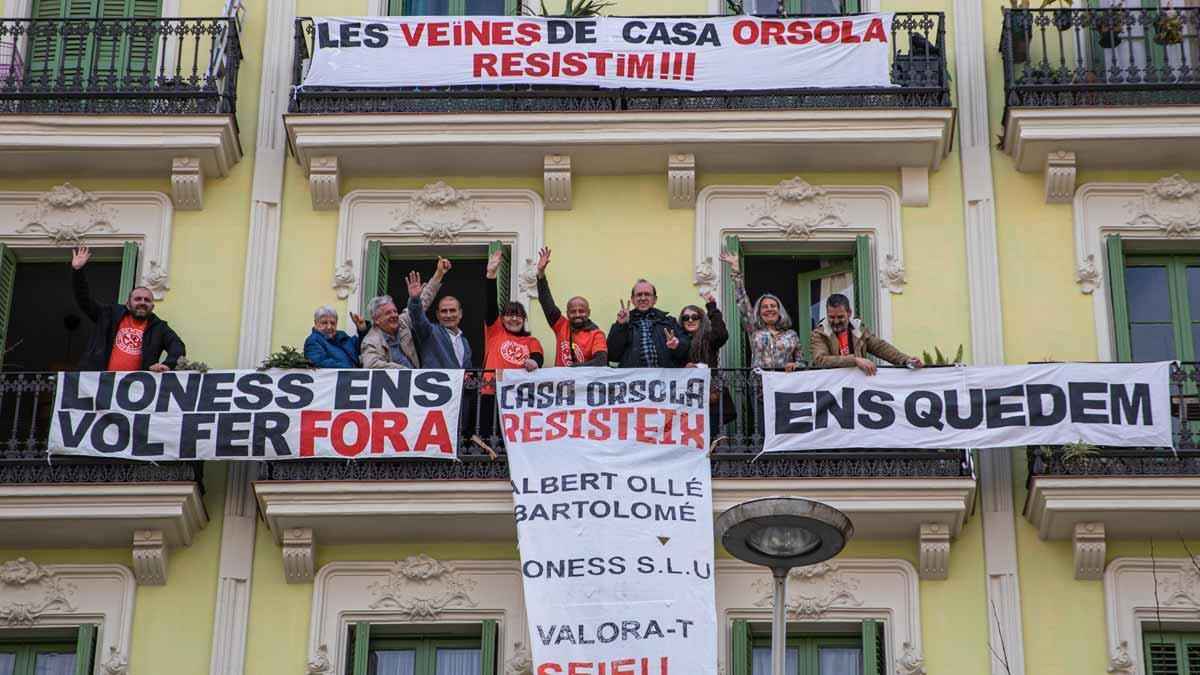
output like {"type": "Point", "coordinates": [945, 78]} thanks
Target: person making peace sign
{"type": "Point", "coordinates": [644, 336]}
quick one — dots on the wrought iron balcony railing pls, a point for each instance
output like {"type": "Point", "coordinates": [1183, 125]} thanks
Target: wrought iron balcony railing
{"type": "Point", "coordinates": [1184, 460]}
{"type": "Point", "coordinates": [121, 65]}
{"type": "Point", "coordinates": [26, 401]}
{"type": "Point", "coordinates": [918, 63]}
{"type": "Point", "coordinates": [1101, 56]}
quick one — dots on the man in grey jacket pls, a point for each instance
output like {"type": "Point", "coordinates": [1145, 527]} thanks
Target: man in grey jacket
{"type": "Point", "coordinates": [376, 346]}
{"type": "Point", "coordinates": [443, 345]}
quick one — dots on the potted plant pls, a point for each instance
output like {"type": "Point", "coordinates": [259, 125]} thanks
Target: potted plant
{"type": "Point", "coordinates": [1020, 30]}
{"type": "Point", "coordinates": [287, 358]}
{"type": "Point", "coordinates": [1109, 25]}
{"type": "Point", "coordinates": [1168, 28]}
{"type": "Point", "coordinates": [1062, 17]}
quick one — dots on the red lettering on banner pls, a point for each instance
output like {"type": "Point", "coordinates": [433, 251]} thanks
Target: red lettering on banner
{"type": "Point", "coordinates": [640, 65]}
{"type": "Point", "coordinates": [577, 423]}
{"type": "Point", "coordinates": [668, 426]}
{"type": "Point", "coordinates": [529, 33]}
{"type": "Point", "coordinates": [622, 422]}
{"type": "Point", "coordinates": [510, 64]}
{"type": "Point", "coordinates": [598, 421]}
{"type": "Point", "coordinates": [692, 434]}
{"type": "Point", "coordinates": [772, 31]}
{"type": "Point", "coordinates": [511, 423]}
{"type": "Point", "coordinates": [529, 433]}
{"type": "Point", "coordinates": [745, 32]}
{"type": "Point", "coordinates": [412, 33]}
{"type": "Point", "coordinates": [619, 667]}
{"type": "Point", "coordinates": [485, 61]}
{"type": "Point", "coordinates": [475, 32]}
{"type": "Point", "coordinates": [556, 421]}
{"type": "Point", "coordinates": [616, 667]}
{"type": "Point", "coordinates": [875, 31]}
{"type": "Point", "coordinates": [437, 35]}
{"type": "Point", "coordinates": [848, 35]}
{"type": "Point", "coordinates": [537, 64]}
{"type": "Point", "coordinates": [643, 431]}
{"type": "Point", "coordinates": [545, 669]}
{"type": "Point", "coordinates": [574, 64]}
{"type": "Point", "coordinates": [601, 59]}
{"type": "Point", "coordinates": [362, 433]}
{"type": "Point", "coordinates": [502, 33]}
{"type": "Point", "coordinates": [309, 430]}
{"type": "Point", "coordinates": [434, 433]}
{"type": "Point", "coordinates": [800, 33]}
{"type": "Point", "coordinates": [826, 32]}
{"type": "Point", "coordinates": [388, 426]}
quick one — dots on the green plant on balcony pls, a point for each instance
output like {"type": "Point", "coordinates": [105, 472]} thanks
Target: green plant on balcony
{"type": "Point", "coordinates": [1020, 30]}
{"type": "Point", "coordinates": [1078, 450]}
{"type": "Point", "coordinates": [1062, 17]}
{"type": "Point", "coordinates": [185, 363]}
{"type": "Point", "coordinates": [1168, 29]}
{"type": "Point", "coordinates": [578, 9]}
{"type": "Point", "coordinates": [287, 358]}
{"type": "Point", "coordinates": [939, 359]}
{"type": "Point", "coordinates": [1109, 25]}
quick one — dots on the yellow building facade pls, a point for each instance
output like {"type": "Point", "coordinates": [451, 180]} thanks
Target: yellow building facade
{"type": "Point", "coordinates": [1029, 187]}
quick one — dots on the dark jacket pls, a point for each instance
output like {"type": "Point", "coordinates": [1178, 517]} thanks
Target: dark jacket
{"type": "Point", "coordinates": [718, 335]}
{"type": "Point", "coordinates": [340, 351]}
{"type": "Point", "coordinates": [625, 346]}
{"type": "Point", "coordinates": [433, 341]}
{"type": "Point", "coordinates": [156, 340]}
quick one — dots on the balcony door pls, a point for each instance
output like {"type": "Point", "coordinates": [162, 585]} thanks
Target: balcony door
{"type": "Point", "coordinates": [70, 55]}
{"type": "Point", "coordinates": [1156, 305]}
{"type": "Point", "coordinates": [452, 7]}
{"type": "Point", "coordinates": [1140, 51]}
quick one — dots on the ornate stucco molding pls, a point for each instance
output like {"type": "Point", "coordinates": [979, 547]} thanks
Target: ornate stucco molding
{"type": "Point", "coordinates": [1171, 204]}
{"type": "Point", "coordinates": [67, 215]}
{"type": "Point", "coordinates": [1144, 591]}
{"type": "Point", "coordinates": [421, 588]}
{"type": "Point", "coordinates": [812, 591]}
{"type": "Point", "coordinates": [439, 212]}
{"type": "Point", "coordinates": [31, 591]}
{"type": "Point", "coordinates": [796, 208]}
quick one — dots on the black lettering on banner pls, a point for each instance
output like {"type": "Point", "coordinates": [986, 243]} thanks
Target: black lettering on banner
{"type": "Point", "coordinates": [842, 412]}
{"type": "Point", "coordinates": [71, 400]}
{"type": "Point", "coordinates": [657, 391]}
{"type": "Point", "coordinates": [974, 417]}
{"type": "Point", "coordinates": [377, 35]}
{"type": "Point", "coordinates": [349, 34]}
{"type": "Point", "coordinates": [72, 437]}
{"type": "Point", "coordinates": [142, 447]}
{"type": "Point", "coordinates": [117, 421]}
{"type": "Point", "coordinates": [931, 419]}
{"type": "Point", "coordinates": [104, 390]}
{"type": "Point", "coordinates": [637, 391]}
{"type": "Point", "coordinates": [559, 32]}
{"type": "Point", "coordinates": [350, 389]}
{"type": "Point", "coordinates": [395, 384]}
{"type": "Point", "coordinates": [628, 34]}
{"type": "Point", "coordinates": [323, 38]}
{"type": "Point", "coordinates": [585, 32]}
{"type": "Point", "coordinates": [270, 426]}
{"type": "Point", "coordinates": [876, 413]}
{"type": "Point", "coordinates": [233, 432]}
{"type": "Point", "coordinates": [595, 394]}
{"type": "Point", "coordinates": [297, 385]}
{"type": "Point", "coordinates": [181, 388]}
{"type": "Point", "coordinates": [1080, 404]}
{"type": "Point", "coordinates": [146, 392]}
{"type": "Point", "coordinates": [997, 409]}
{"type": "Point", "coordinates": [1035, 397]}
{"type": "Point", "coordinates": [256, 390]}
{"type": "Point", "coordinates": [1132, 407]}
{"type": "Point", "coordinates": [192, 428]}
{"type": "Point", "coordinates": [788, 418]}
{"type": "Point", "coordinates": [434, 388]}
{"type": "Point", "coordinates": [212, 397]}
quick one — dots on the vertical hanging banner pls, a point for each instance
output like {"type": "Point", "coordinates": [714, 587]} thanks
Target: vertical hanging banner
{"type": "Point", "coordinates": [613, 498]}
{"type": "Point", "coordinates": [698, 54]}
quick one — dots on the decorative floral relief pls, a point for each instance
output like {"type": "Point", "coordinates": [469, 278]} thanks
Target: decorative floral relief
{"type": "Point", "coordinates": [66, 214]}
{"type": "Point", "coordinates": [155, 279]}
{"type": "Point", "coordinates": [1088, 275]}
{"type": "Point", "coordinates": [527, 281]}
{"type": "Point", "coordinates": [439, 212]}
{"type": "Point", "coordinates": [797, 209]}
{"type": "Point", "coordinates": [910, 662]}
{"type": "Point", "coordinates": [115, 664]}
{"type": "Point", "coordinates": [319, 663]}
{"type": "Point", "coordinates": [521, 662]}
{"type": "Point", "coordinates": [29, 591]}
{"type": "Point", "coordinates": [891, 275]}
{"type": "Point", "coordinates": [1121, 663]}
{"type": "Point", "coordinates": [422, 588]}
{"type": "Point", "coordinates": [706, 277]}
{"type": "Point", "coordinates": [1181, 588]}
{"type": "Point", "coordinates": [812, 591]}
{"type": "Point", "coordinates": [1172, 204]}
{"type": "Point", "coordinates": [344, 280]}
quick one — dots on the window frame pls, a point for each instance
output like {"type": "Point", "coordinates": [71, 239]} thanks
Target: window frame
{"type": "Point", "coordinates": [810, 646]}
{"type": "Point", "coordinates": [1181, 640]}
{"type": "Point", "coordinates": [361, 644]}
{"type": "Point", "coordinates": [27, 649]}
{"type": "Point", "coordinates": [1182, 320]}
{"type": "Point", "coordinates": [455, 8]}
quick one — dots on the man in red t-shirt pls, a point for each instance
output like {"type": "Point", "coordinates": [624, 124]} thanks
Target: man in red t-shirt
{"type": "Point", "coordinates": [578, 341]}
{"type": "Point", "coordinates": [128, 336]}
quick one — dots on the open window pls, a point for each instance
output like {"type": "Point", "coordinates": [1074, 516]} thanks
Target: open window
{"type": "Point", "coordinates": [1155, 304]}
{"type": "Point", "coordinates": [1172, 653]}
{"type": "Point", "coordinates": [452, 7]}
{"type": "Point", "coordinates": [48, 651]}
{"type": "Point", "coordinates": [817, 650]}
{"type": "Point", "coordinates": [385, 649]}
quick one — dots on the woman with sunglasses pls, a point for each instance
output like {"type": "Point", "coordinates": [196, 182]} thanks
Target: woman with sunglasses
{"type": "Point", "coordinates": [708, 333]}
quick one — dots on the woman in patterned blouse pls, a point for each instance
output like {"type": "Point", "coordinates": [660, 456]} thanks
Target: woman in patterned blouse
{"type": "Point", "coordinates": [773, 343]}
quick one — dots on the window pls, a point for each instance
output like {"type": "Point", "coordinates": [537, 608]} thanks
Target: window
{"type": "Point", "coordinates": [792, 7]}
{"type": "Point", "coordinates": [860, 653]}
{"type": "Point", "coordinates": [86, 58]}
{"type": "Point", "coordinates": [1156, 305]}
{"type": "Point", "coordinates": [1170, 653]}
{"type": "Point", "coordinates": [46, 655]}
{"type": "Point", "coordinates": [381, 650]}
{"type": "Point", "coordinates": [452, 7]}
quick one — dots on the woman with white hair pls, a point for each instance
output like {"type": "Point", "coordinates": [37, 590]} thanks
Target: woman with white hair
{"type": "Point", "coordinates": [773, 343]}
{"type": "Point", "coordinates": [328, 347]}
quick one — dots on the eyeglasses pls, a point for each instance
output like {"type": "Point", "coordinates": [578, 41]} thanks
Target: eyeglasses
{"type": "Point", "coordinates": [689, 317]}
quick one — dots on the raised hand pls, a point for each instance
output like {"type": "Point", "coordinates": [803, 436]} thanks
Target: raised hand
{"type": "Point", "coordinates": [358, 321]}
{"type": "Point", "coordinates": [443, 266]}
{"type": "Point", "coordinates": [709, 298]}
{"type": "Point", "coordinates": [531, 365]}
{"type": "Point", "coordinates": [493, 263]}
{"type": "Point", "coordinates": [731, 260]}
{"type": "Point", "coordinates": [623, 313]}
{"type": "Point", "coordinates": [80, 257]}
{"type": "Point", "coordinates": [543, 261]}
{"type": "Point", "coordinates": [672, 340]}
{"type": "Point", "coordinates": [414, 284]}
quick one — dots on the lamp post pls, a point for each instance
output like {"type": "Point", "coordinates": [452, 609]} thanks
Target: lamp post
{"type": "Point", "coordinates": [782, 533]}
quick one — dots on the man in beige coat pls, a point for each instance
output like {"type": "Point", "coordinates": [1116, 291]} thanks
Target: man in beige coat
{"type": "Point", "coordinates": [389, 343]}
{"type": "Point", "coordinates": [841, 341]}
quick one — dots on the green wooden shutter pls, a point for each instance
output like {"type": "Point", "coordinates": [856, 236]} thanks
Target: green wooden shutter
{"type": "Point", "coordinates": [874, 658]}
{"type": "Point", "coordinates": [735, 348]}
{"type": "Point", "coordinates": [8, 275]}
{"type": "Point", "coordinates": [135, 57]}
{"type": "Point", "coordinates": [742, 650]}
{"type": "Point", "coordinates": [376, 281]}
{"type": "Point", "coordinates": [1117, 296]}
{"type": "Point", "coordinates": [55, 60]}
{"type": "Point", "coordinates": [487, 647]}
{"type": "Point", "coordinates": [129, 266]}
{"type": "Point", "coordinates": [85, 647]}
{"type": "Point", "coordinates": [503, 275]}
{"type": "Point", "coordinates": [864, 282]}
{"type": "Point", "coordinates": [1191, 645]}
{"type": "Point", "coordinates": [362, 648]}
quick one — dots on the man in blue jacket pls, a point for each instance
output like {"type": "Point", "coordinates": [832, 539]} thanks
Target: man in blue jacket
{"type": "Point", "coordinates": [328, 347]}
{"type": "Point", "coordinates": [444, 345]}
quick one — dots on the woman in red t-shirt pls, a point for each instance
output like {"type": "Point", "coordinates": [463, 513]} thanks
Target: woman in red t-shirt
{"type": "Point", "coordinates": [507, 344]}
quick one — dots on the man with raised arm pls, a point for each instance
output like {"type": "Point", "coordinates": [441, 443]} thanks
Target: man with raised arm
{"type": "Point", "coordinates": [128, 336]}
{"type": "Point", "coordinates": [443, 345]}
{"type": "Point", "coordinates": [644, 336]}
{"type": "Point", "coordinates": [578, 341]}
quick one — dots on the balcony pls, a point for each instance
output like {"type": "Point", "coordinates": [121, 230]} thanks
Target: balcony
{"type": "Point", "coordinates": [1100, 88]}
{"type": "Point", "coordinates": [527, 130]}
{"type": "Point", "coordinates": [120, 96]}
{"type": "Point", "coordinates": [1089, 495]}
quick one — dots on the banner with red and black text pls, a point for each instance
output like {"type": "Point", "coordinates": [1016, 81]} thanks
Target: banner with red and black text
{"type": "Point", "coordinates": [613, 501]}
{"type": "Point", "coordinates": [257, 415]}
{"type": "Point", "coordinates": [698, 54]}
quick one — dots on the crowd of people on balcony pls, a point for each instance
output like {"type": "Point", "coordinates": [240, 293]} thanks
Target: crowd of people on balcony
{"type": "Point", "coordinates": [132, 337]}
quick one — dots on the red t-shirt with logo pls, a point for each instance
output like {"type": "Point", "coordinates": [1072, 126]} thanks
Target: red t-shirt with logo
{"type": "Point", "coordinates": [504, 351]}
{"type": "Point", "coordinates": [844, 343]}
{"type": "Point", "coordinates": [127, 345]}
{"type": "Point", "coordinates": [587, 342]}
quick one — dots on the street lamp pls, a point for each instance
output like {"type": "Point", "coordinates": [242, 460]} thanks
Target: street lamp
{"type": "Point", "coordinates": [782, 533]}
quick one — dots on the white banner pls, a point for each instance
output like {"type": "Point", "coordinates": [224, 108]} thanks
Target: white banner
{"type": "Point", "coordinates": [1104, 404]}
{"type": "Point", "coordinates": [718, 53]}
{"type": "Point", "coordinates": [248, 414]}
{"type": "Point", "coordinates": [613, 500]}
